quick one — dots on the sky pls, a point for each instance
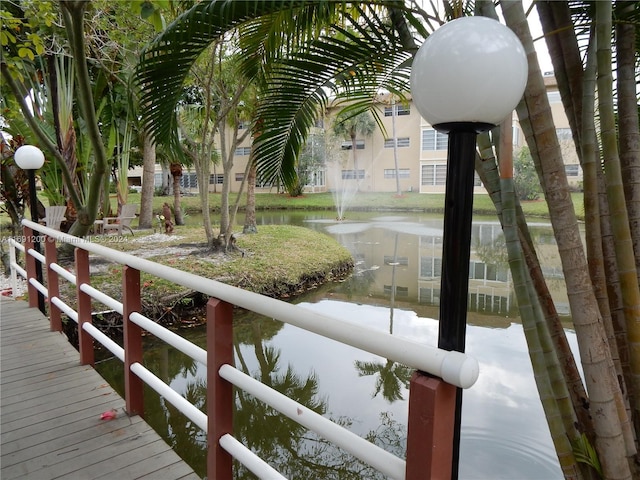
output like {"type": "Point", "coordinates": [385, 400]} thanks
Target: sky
{"type": "Point", "coordinates": [534, 24]}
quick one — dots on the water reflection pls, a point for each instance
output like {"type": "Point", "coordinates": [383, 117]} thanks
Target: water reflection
{"type": "Point", "coordinates": [415, 242]}
{"type": "Point", "coordinates": [395, 289]}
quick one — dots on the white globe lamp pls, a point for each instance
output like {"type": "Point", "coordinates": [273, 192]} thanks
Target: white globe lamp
{"type": "Point", "coordinates": [30, 159]}
{"type": "Point", "coordinates": [466, 78]}
{"type": "Point", "coordinates": [470, 70]}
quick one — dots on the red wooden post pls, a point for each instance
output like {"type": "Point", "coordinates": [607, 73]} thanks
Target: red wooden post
{"type": "Point", "coordinates": [432, 404]}
{"type": "Point", "coordinates": [85, 341]}
{"type": "Point", "coordinates": [30, 264]}
{"type": "Point", "coordinates": [219, 391]}
{"type": "Point", "coordinates": [53, 283]}
{"type": "Point", "coordinates": [132, 341]}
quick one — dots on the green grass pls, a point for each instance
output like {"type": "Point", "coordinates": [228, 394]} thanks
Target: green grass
{"type": "Point", "coordinates": [362, 201]}
{"type": "Point", "coordinates": [278, 261]}
{"type": "Point", "coordinates": [412, 201]}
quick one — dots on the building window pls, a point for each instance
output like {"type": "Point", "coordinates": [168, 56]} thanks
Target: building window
{"type": "Point", "coordinates": [430, 267]}
{"type": "Point", "coordinates": [401, 142]}
{"type": "Point", "coordinates": [216, 179]}
{"type": "Point", "coordinates": [564, 134]}
{"type": "Point", "coordinates": [316, 178]}
{"type": "Point", "coordinates": [434, 175]}
{"type": "Point", "coordinates": [572, 170]}
{"type": "Point", "coordinates": [553, 96]}
{"type": "Point", "coordinates": [399, 109]}
{"type": "Point", "coordinates": [243, 151]}
{"type": "Point", "coordinates": [433, 140]}
{"type": "Point", "coordinates": [189, 180]}
{"type": "Point", "coordinates": [402, 173]}
{"type": "Point", "coordinates": [391, 260]}
{"type": "Point", "coordinates": [352, 174]}
{"type": "Point", "coordinates": [403, 110]}
{"type": "Point", "coordinates": [347, 145]}
{"type": "Point", "coordinates": [400, 291]}
{"type": "Point", "coordinates": [476, 180]}
{"type": "Point", "coordinates": [239, 177]}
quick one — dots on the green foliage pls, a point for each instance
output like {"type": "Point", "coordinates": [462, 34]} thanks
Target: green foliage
{"type": "Point", "coordinates": [24, 26]}
{"type": "Point", "coordinates": [304, 51]}
{"type": "Point", "coordinates": [585, 453]}
{"type": "Point", "coordinates": [297, 188]}
{"type": "Point", "coordinates": [525, 176]}
{"type": "Point", "coordinates": [351, 125]}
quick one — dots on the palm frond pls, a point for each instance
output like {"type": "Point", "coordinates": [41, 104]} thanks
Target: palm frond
{"type": "Point", "coordinates": [300, 52]}
{"type": "Point", "coordinates": [355, 62]}
{"type": "Point", "coordinates": [166, 62]}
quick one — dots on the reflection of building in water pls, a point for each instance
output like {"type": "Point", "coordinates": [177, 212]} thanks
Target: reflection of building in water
{"type": "Point", "coordinates": [490, 287]}
{"type": "Point", "coordinates": [408, 266]}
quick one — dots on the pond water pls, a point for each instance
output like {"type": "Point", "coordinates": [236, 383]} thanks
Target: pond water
{"type": "Point", "coordinates": [395, 288]}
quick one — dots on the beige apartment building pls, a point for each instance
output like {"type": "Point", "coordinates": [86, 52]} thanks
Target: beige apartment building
{"type": "Point", "coordinates": [421, 155]}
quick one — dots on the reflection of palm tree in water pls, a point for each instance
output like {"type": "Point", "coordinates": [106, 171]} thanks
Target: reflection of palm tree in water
{"type": "Point", "coordinates": [392, 376]}
{"type": "Point", "coordinates": [283, 443]}
{"type": "Point", "coordinates": [274, 437]}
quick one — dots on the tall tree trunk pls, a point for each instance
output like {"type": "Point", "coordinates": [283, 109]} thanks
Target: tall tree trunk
{"type": "Point", "coordinates": [395, 145]}
{"type": "Point", "coordinates": [617, 203]}
{"type": "Point", "coordinates": [354, 148]}
{"type": "Point", "coordinates": [203, 172]}
{"type": "Point", "coordinates": [628, 123]}
{"type": "Point", "coordinates": [176, 173]}
{"type": "Point", "coordinates": [250, 212]}
{"type": "Point", "coordinates": [73, 14]}
{"type": "Point", "coordinates": [537, 123]}
{"type": "Point", "coordinates": [546, 363]}
{"type": "Point", "coordinates": [226, 227]}
{"type": "Point", "coordinates": [593, 185]}
{"type": "Point", "coordinates": [148, 182]}
{"type": "Point", "coordinates": [166, 179]}
{"type": "Point", "coordinates": [562, 44]}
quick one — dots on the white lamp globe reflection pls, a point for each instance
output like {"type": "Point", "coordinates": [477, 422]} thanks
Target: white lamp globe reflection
{"type": "Point", "coordinates": [470, 70]}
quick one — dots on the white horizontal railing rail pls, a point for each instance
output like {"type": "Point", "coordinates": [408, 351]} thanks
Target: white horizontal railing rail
{"type": "Point", "coordinates": [254, 463]}
{"type": "Point", "coordinates": [455, 368]}
{"type": "Point", "coordinates": [357, 446]}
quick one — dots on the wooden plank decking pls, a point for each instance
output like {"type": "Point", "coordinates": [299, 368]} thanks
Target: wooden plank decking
{"type": "Point", "coordinates": [50, 409]}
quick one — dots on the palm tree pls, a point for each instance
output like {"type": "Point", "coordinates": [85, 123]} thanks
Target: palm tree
{"type": "Point", "coordinates": [297, 80]}
{"type": "Point", "coordinates": [312, 50]}
{"type": "Point", "coordinates": [352, 126]}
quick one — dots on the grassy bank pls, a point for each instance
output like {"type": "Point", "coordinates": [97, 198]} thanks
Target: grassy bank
{"type": "Point", "coordinates": [418, 202]}
{"type": "Point", "coordinates": [410, 201]}
{"type": "Point", "coordinates": [279, 261]}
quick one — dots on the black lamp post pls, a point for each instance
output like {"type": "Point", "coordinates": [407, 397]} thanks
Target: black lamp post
{"type": "Point", "coordinates": [466, 78]}
{"type": "Point", "coordinates": [31, 158]}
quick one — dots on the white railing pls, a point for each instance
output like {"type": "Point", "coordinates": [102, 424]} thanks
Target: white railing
{"type": "Point", "coordinates": [453, 368]}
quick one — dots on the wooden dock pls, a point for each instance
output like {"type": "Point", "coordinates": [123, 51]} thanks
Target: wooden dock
{"type": "Point", "coordinates": [51, 407]}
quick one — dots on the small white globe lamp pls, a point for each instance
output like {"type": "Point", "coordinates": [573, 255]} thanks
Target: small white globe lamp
{"type": "Point", "coordinates": [30, 159]}
{"type": "Point", "coordinates": [466, 78]}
